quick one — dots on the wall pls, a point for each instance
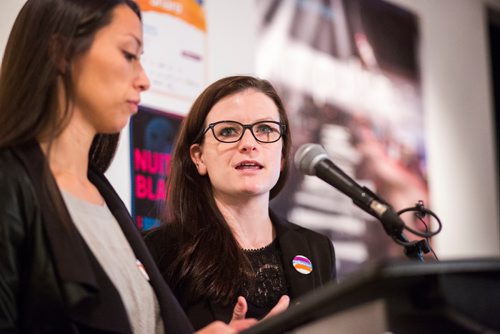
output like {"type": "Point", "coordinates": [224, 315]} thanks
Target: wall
{"type": "Point", "coordinates": [8, 12]}
{"type": "Point", "coordinates": [457, 102]}
{"type": "Point", "coordinates": [459, 125]}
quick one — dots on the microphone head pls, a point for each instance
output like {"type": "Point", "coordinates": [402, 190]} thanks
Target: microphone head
{"type": "Point", "coordinates": [307, 157]}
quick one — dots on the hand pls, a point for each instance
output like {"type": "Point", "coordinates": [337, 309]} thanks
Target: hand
{"type": "Point", "coordinates": [238, 321]}
{"type": "Point", "coordinates": [241, 308]}
{"type": "Point", "coordinates": [280, 306]}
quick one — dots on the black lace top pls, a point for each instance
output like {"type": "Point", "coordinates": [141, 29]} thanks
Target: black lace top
{"type": "Point", "coordinates": [269, 283]}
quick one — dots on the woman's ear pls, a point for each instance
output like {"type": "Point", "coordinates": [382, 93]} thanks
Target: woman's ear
{"type": "Point", "coordinates": [196, 153]}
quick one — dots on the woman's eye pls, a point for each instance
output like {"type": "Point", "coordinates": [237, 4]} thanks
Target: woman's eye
{"type": "Point", "coordinates": [265, 129]}
{"type": "Point", "coordinates": [227, 132]}
{"type": "Point", "coordinates": [129, 56]}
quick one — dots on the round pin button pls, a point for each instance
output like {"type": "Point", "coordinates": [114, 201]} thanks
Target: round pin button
{"type": "Point", "coordinates": [302, 264]}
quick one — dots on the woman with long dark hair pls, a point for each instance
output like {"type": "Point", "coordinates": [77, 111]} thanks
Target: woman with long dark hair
{"type": "Point", "coordinates": [221, 249]}
{"type": "Point", "coordinates": [71, 260]}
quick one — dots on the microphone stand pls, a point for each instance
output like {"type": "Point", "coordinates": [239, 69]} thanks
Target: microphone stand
{"type": "Point", "coordinates": [393, 225]}
{"type": "Point", "coordinates": [414, 250]}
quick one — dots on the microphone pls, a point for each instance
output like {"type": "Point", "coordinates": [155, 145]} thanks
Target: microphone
{"type": "Point", "coordinates": [311, 159]}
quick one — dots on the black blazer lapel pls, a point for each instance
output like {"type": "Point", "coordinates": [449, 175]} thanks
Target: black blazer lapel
{"type": "Point", "coordinates": [174, 318]}
{"type": "Point", "coordinates": [293, 243]}
{"type": "Point", "coordinates": [65, 242]}
{"type": "Point", "coordinates": [91, 298]}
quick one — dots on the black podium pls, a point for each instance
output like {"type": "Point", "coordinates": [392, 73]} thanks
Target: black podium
{"type": "Point", "coordinates": [460, 296]}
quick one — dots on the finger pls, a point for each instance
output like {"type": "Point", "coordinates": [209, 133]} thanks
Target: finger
{"type": "Point", "coordinates": [240, 309]}
{"type": "Point", "coordinates": [279, 307]}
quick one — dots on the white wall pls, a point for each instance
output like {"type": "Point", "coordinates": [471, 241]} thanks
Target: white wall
{"type": "Point", "coordinates": [457, 104]}
{"type": "Point", "coordinates": [459, 124]}
{"type": "Point", "coordinates": [231, 37]}
{"type": "Point", "coordinates": [8, 13]}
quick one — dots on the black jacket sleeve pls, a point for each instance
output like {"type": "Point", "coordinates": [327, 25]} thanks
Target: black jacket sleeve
{"type": "Point", "coordinates": [17, 213]}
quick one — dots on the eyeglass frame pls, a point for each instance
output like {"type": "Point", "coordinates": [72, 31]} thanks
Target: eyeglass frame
{"type": "Point", "coordinates": [211, 126]}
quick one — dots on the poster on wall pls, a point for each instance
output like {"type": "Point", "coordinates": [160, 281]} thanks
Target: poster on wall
{"type": "Point", "coordinates": [152, 138]}
{"type": "Point", "coordinates": [174, 53]}
{"type": "Point", "coordinates": [174, 60]}
{"type": "Point", "coordinates": [348, 73]}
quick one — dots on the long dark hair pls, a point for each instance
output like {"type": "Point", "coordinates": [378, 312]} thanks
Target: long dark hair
{"type": "Point", "coordinates": [209, 263]}
{"type": "Point", "coordinates": [47, 35]}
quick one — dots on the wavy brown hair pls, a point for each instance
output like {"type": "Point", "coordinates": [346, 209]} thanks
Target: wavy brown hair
{"type": "Point", "coordinates": [210, 264]}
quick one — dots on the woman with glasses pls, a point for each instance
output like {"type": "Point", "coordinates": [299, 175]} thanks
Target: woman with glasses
{"type": "Point", "coordinates": [222, 250]}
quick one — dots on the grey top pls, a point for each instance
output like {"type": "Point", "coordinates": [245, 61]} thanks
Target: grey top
{"type": "Point", "coordinates": [103, 235]}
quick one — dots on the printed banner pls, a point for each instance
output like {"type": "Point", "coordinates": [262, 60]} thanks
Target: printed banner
{"type": "Point", "coordinates": [152, 138]}
{"type": "Point", "coordinates": [174, 53]}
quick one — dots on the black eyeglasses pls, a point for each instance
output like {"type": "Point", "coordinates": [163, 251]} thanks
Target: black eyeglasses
{"type": "Point", "coordinates": [232, 131]}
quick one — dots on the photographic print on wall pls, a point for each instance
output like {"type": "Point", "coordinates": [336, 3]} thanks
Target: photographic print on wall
{"type": "Point", "coordinates": [348, 72]}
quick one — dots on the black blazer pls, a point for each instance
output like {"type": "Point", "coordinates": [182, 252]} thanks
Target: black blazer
{"type": "Point", "coordinates": [293, 240]}
{"type": "Point", "coordinates": [49, 279]}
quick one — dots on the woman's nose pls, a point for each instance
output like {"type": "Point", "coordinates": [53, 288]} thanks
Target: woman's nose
{"type": "Point", "coordinates": [142, 82]}
{"type": "Point", "coordinates": [247, 141]}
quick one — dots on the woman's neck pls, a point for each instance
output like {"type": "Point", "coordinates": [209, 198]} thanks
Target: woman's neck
{"type": "Point", "coordinates": [249, 221]}
{"type": "Point", "coordinates": [67, 155]}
